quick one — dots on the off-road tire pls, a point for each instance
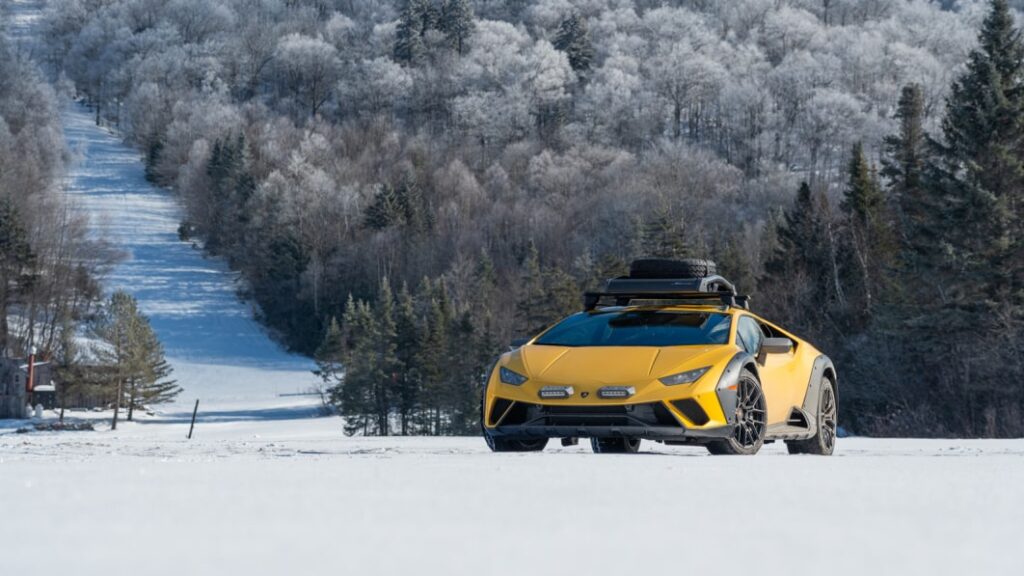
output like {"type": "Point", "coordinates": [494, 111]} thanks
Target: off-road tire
{"type": "Point", "coordinates": [823, 443]}
{"type": "Point", "coordinates": [615, 445]}
{"type": "Point", "coordinates": [514, 444]}
{"type": "Point", "coordinates": [662, 268]}
{"type": "Point", "coordinates": [746, 441]}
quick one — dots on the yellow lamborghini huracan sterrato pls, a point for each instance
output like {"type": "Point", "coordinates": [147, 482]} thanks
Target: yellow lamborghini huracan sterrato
{"type": "Point", "coordinates": [669, 353]}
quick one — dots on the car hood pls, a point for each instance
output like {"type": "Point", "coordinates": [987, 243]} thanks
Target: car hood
{"type": "Point", "coordinates": [617, 365]}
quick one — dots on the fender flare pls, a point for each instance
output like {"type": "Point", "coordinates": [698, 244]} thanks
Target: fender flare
{"type": "Point", "coordinates": [730, 377]}
{"type": "Point", "coordinates": [822, 366]}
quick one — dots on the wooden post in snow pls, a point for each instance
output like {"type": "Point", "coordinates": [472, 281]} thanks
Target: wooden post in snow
{"type": "Point", "coordinates": [193, 424]}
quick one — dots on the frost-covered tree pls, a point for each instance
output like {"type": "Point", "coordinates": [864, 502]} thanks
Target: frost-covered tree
{"type": "Point", "coordinates": [573, 38]}
{"type": "Point", "coordinates": [307, 69]}
{"type": "Point", "coordinates": [16, 265]}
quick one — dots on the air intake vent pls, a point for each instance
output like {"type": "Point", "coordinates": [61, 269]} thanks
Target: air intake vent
{"type": "Point", "coordinates": [692, 410]}
{"type": "Point", "coordinates": [499, 409]}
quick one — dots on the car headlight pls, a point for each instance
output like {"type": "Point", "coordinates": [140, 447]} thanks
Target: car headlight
{"type": "Point", "coordinates": [509, 377]}
{"type": "Point", "coordinates": [688, 377]}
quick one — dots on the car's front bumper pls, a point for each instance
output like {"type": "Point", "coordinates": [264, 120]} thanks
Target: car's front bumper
{"type": "Point", "coordinates": [645, 432]}
{"type": "Point", "coordinates": [651, 421]}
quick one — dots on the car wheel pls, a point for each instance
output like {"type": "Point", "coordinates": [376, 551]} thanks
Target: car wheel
{"type": "Point", "coordinates": [823, 443]}
{"type": "Point", "coordinates": [751, 420]}
{"type": "Point", "coordinates": [515, 444]}
{"type": "Point", "coordinates": [509, 444]}
{"type": "Point", "coordinates": [615, 445]}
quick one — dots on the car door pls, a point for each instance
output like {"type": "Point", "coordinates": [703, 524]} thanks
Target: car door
{"type": "Point", "coordinates": [774, 371]}
{"type": "Point", "coordinates": [783, 370]}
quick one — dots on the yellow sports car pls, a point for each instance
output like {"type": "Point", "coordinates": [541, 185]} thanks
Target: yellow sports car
{"type": "Point", "coordinates": [674, 356]}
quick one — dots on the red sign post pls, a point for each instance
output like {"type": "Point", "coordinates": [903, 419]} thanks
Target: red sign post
{"type": "Point", "coordinates": [30, 384]}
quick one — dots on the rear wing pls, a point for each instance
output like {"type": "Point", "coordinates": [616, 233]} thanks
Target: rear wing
{"type": "Point", "coordinates": [625, 289]}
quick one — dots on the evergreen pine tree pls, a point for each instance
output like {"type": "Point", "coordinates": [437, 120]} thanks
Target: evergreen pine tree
{"type": "Point", "coordinates": [868, 249]}
{"type": "Point", "coordinates": [664, 235]}
{"type": "Point", "coordinates": [407, 341]}
{"type": "Point", "coordinates": [862, 198]}
{"type": "Point", "coordinates": [563, 295]}
{"type": "Point", "coordinates": [387, 367]}
{"type": "Point", "coordinates": [976, 214]}
{"type": "Point", "coordinates": [115, 331]}
{"type": "Point", "coordinates": [463, 392]}
{"type": "Point", "coordinates": [904, 162]}
{"type": "Point", "coordinates": [133, 355]}
{"type": "Point", "coordinates": [457, 23]}
{"type": "Point", "coordinates": [573, 38]}
{"type": "Point", "coordinates": [734, 262]}
{"type": "Point", "coordinates": [905, 167]}
{"type": "Point", "coordinates": [152, 384]}
{"type": "Point", "coordinates": [413, 22]}
{"type": "Point", "coordinates": [803, 268]}
{"type": "Point", "coordinates": [981, 169]}
{"type": "Point", "coordinates": [530, 313]}
{"type": "Point", "coordinates": [329, 357]}
{"type": "Point", "coordinates": [154, 148]}
{"type": "Point", "coordinates": [485, 283]}
{"type": "Point", "coordinates": [354, 396]}
{"type": "Point", "coordinates": [434, 353]}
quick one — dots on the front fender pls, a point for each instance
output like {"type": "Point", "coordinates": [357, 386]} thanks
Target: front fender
{"type": "Point", "coordinates": [727, 382]}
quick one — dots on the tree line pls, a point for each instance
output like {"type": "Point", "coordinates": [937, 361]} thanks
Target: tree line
{"type": "Point", "coordinates": [48, 265]}
{"type": "Point", "coordinates": [324, 146]}
{"type": "Point", "coordinates": [51, 269]}
{"type": "Point", "coordinates": [916, 281]}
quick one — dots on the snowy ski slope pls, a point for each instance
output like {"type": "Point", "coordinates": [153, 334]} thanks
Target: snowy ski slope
{"type": "Point", "coordinates": [220, 354]}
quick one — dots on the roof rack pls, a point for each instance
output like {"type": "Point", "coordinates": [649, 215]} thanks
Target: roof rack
{"type": "Point", "coordinates": [624, 289]}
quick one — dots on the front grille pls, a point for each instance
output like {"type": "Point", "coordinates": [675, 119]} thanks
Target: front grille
{"type": "Point", "coordinates": [651, 414]}
{"type": "Point", "coordinates": [585, 415]}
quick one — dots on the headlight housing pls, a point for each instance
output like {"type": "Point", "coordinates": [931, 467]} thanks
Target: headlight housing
{"type": "Point", "coordinates": [688, 377]}
{"type": "Point", "coordinates": [509, 377]}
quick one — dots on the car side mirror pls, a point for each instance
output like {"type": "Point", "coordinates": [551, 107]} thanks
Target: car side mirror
{"type": "Point", "coordinates": [774, 346]}
{"type": "Point", "coordinates": [518, 343]}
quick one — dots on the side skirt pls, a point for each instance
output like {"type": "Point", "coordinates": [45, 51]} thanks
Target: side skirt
{"type": "Point", "coordinates": [785, 431]}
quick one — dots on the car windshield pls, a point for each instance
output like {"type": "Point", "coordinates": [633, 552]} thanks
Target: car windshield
{"type": "Point", "coordinates": [639, 328]}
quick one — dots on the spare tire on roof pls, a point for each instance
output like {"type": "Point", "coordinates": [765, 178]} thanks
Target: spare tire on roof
{"type": "Point", "coordinates": [662, 268]}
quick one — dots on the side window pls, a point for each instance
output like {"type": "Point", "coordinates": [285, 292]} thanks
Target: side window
{"type": "Point", "coordinates": [749, 335]}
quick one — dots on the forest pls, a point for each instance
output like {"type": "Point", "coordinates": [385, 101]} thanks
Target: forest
{"type": "Point", "coordinates": [408, 185]}
{"type": "Point", "coordinates": [48, 265]}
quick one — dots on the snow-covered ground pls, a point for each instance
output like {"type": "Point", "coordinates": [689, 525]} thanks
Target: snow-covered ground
{"type": "Point", "coordinates": [295, 498]}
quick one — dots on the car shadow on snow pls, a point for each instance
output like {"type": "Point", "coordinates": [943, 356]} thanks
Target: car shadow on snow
{"type": "Point", "coordinates": [241, 415]}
